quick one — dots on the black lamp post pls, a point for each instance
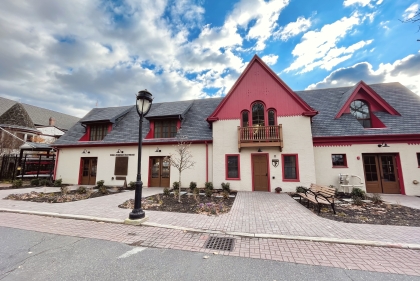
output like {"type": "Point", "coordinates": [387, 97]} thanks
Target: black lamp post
{"type": "Point", "coordinates": [143, 104]}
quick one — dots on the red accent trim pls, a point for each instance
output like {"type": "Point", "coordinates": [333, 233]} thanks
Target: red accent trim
{"type": "Point", "coordinates": [275, 115]}
{"type": "Point", "coordinates": [345, 160]}
{"type": "Point", "coordinates": [80, 171]}
{"type": "Point", "coordinates": [306, 108]}
{"type": "Point", "coordinates": [375, 139]}
{"type": "Point", "coordinates": [149, 172]}
{"type": "Point", "coordinates": [377, 103]}
{"type": "Point", "coordinates": [297, 168]}
{"type": "Point", "coordinates": [151, 133]}
{"type": "Point", "coordinates": [109, 127]}
{"type": "Point", "coordinates": [268, 170]}
{"type": "Point", "coordinates": [178, 125]}
{"type": "Point", "coordinates": [242, 118]}
{"type": "Point", "coordinates": [87, 144]}
{"type": "Point", "coordinates": [239, 167]}
{"type": "Point", "coordinates": [86, 136]}
{"type": "Point", "coordinates": [400, 174]}
{"type": "Point", "coordinates": [56, 164]}
{"type": "Point", "coordinates": [207, 162]}
{"type": "Point", "coordinates": [376, 122]}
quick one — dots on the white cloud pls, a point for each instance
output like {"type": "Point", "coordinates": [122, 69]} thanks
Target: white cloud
{"type": "Point", "coordinates": [404, 71]}
{"type": "Point", "coordinates": [384, 24]}
{"type": "Point", "coordinates": [319, 48]}
{"type": "Point", "coordinates": [270, 59]}
{"type": "Point", "coordinates": [293, 28]}
{"type": "Point", "coordinates": [362, 3]}
{"type": "Point", "coordinates": [411, 11]}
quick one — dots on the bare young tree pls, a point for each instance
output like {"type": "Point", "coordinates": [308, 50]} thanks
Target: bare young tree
{"type": "Point", "coordinates": [181, 159]}
{"type": "Point", "coordinates": [413, 19]}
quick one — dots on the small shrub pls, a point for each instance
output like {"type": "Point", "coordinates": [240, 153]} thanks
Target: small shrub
{"type": "Point", "coordinates": [176, 193]}
{"type": "Point", "coordinates": [102, 189]}
{"type": "Point", "coordinates": [82, 190]}
{"type": "Point", "coordinates": [64, 190]}
{"type": "Point", "coordinates": [357, 192]}
{"type": "Point", "coordinates": [208, 185]}
{"type": "Point", "coordinates": [17, 183]}
{"type": "Point", "coordinates": [225, 194]}
{"type": "Point", "coordinates": [45, 183]}
{"type": "Point", "coordinates": [131, 185]}
{"type": "Point", "coordinates": [34, 182]}
{"type": "Point", "coordinates": [357, 201]}
{"type": "Point", "coordinates": [100, 183]}
{"type": "Point", "coordinates": [175, 185]}
{"type": "Point", "coordinates": [193, 185]}
{"type": "Point", "coordinates": [196, 191]}
{"type": "Point", "coordinates": [376, 198]}
{"type": "Point", "coordinates": [58, 183]}
{"type": "Point", "coordinates": [208, 192]}
{"type": "Point", "coordinates": [226, 186]}
{"type": "Point", "coordinates": [166, 191]}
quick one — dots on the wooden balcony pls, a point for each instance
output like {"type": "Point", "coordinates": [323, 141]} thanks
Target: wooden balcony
{"type": "Point", "coordinates": [260, 136]}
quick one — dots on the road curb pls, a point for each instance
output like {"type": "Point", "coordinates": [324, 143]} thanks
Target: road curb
{"type": "Point", "coordinates": [237, 234]}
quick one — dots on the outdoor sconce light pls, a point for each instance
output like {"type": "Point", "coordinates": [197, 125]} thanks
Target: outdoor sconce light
{"type": "Point", "coordinates": [157, 149]}
{"type": "Point", "coordinates": [19, 168]}
{"type": "Point", "coordinates": [275, 162]}
{"type": "Point", "coordinates": [85, 151]}
{"type": "Point", "coordinates": [120, 151]}
{"type": "Point", "coordinates": [383, 144]}
{"type": "Point", "coordinates": [259, 150]}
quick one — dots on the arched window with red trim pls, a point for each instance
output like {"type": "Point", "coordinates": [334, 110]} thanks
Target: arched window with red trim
{"type": "Point", "coordinates": [271, 118]}
{"type": "Point", "coordinates": [245, 118]}
{"type": "Point", "coordinates": [258, 114]}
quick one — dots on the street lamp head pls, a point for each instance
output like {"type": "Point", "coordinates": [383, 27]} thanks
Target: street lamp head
{"type": "Point", "coordinates": [144, 102]}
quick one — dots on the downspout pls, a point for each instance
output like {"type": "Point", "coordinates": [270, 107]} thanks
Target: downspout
{"type": "Point", "coordinates": [207, 161]}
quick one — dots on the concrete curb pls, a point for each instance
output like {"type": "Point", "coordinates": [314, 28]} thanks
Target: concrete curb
{"type": "Point", "coordinates": [371, 243]}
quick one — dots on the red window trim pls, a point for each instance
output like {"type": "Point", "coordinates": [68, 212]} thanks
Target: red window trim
{"type": "Point", "coordinates": [250, 117]}
{"type": "Point", "coordinates": [345, 161]}
{"type": "Point", "coordinates": [297, 168]}
{"type": "Point", "coordinates": [242, 119]}
{"type": "Point", "coordinates": [226, 167]}
{"type": "Point", "coordinates": [275, 115]}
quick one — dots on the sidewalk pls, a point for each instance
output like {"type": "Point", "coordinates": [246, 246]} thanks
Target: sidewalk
{"type": "Point", "coordinates": [254, 214]}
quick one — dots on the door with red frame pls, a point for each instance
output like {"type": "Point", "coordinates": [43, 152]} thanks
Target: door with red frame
{"type": "Point", "coordinates": [381, 173]}
{"type": "Point", "coordinates": [260, 172]}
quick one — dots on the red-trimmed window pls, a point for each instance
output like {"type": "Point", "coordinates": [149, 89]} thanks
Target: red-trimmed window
{"type": "Point", "coordinates": [165, 129]}
{"type": "Point", "coordinates": [258, 114]}
{"type": "Point", "coordinates": [271, 117]}
{"type": "Point", "coordinates": [232, 167]}
{"type": "Point", "coordinates": [418, 159]}
{"type": "Point", "coordinates": [339, 160]}
{"type": "Point", "coordinates": [98, 132]}
{"type": "Point", "coordinates": [361, 111]}
{"type": "Point", "coordinates": [290, 167]}
{"type": "Point", "coordinates": [245, 118]}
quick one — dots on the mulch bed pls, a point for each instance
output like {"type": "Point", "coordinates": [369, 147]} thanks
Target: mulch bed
{"type": "Point", "coordinates": [201, 205]}
{"type": "Point", "coordinates": [57, 197]}
{"type": "Point", "coordinates": [370, 213]}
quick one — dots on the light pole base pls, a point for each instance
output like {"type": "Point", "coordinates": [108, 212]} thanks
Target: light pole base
{"type": "Point", "coordinates": [135, 222]}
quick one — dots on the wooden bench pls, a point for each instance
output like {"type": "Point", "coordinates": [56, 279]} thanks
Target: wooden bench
{"type": "Point", "coordinates": [319, 194]}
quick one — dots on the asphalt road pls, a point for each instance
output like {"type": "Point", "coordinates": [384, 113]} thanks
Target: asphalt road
{"type": "Point", "coordinates": [29, 255]}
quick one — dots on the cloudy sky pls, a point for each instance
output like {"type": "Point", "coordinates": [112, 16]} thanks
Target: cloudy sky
{"type": "Point", "coordinates": [71, 56]}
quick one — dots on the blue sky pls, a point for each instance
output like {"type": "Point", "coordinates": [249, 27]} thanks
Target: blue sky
{"type": "Point", "coordinates": [71, 56]}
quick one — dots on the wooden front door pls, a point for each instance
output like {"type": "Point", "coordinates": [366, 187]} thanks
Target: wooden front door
{"type": "Point", "coordinates": [89, 167]}
{"type": "Point", "coordinates": [260, 172]}
{"type": "Point", "coordinates": [381, 173]}
{"type": "Point", "coordinates": [159, 171]}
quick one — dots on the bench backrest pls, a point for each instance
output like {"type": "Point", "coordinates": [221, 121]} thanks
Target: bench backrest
{"type": "Point", "coordinates": [324, 190]}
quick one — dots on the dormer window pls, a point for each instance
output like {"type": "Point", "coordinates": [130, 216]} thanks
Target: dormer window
{"type": "Point", "coordinates": [360, 110]}
{"type": "Point", "coordinates": [165, 129]}
{"type": "Point", "coordinates": [98, 132]}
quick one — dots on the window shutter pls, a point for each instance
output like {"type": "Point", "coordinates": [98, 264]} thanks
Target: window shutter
{"type": "Point", "coordinates": [121, 166]}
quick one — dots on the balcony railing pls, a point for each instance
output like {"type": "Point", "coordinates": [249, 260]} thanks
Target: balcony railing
{"type": "Point", "coordinates": [260, 136]}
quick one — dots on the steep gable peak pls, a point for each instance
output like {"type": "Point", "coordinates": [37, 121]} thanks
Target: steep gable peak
{"type": "Point", "coordinates": [258, 82]}
{"type": "Point", "coordinates": [18, 116]}
{"type": "Point", "coordinates": [362, 91]}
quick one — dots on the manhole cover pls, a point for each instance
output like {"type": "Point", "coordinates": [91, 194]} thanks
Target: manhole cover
{"type": "Point", "coordinates": [220, 243]}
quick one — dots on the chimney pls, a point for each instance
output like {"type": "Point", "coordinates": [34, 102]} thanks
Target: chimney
{"type": "Point", "coordinates": [51, 121]}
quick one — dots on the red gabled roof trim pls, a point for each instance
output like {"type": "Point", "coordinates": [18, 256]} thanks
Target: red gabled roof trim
{"type": "Point", "coordinates": [86, 144]}
{"type": "Point", "coordinates": [376, 139]}
{"type": "Point", "coordinates": [362, 85]}
{"type": "Point", "coordinates": [308, 110]}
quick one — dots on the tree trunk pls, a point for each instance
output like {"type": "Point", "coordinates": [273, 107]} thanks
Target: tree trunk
{"type": "Point", "coordinates": [179, 194]}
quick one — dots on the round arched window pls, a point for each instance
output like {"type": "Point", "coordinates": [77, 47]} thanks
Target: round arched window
{"type": "Point", "coordinates": [258, 114]}
{"type": "Point", "coordinates": [361, 111]}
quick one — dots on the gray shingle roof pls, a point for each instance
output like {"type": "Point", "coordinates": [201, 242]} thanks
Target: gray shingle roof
{"type": "Point", "coordinates": [108, 114]}
{"type": "Point", "coordinates": [17, 116]}
{"type": "Point", "coordinates": [40, 116]}
{"type": "Point", "coordinates": [194, 127]}
{"type": "Point", "coordinates": [167, 109]}
{"type": "Point", "coordinates": [327, 101]}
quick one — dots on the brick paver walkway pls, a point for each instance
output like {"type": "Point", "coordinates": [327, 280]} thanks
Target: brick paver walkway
{"type": "Point", "coordinates": [390, 260]}
{"type": "Point", "coordinates": [252, 212]}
